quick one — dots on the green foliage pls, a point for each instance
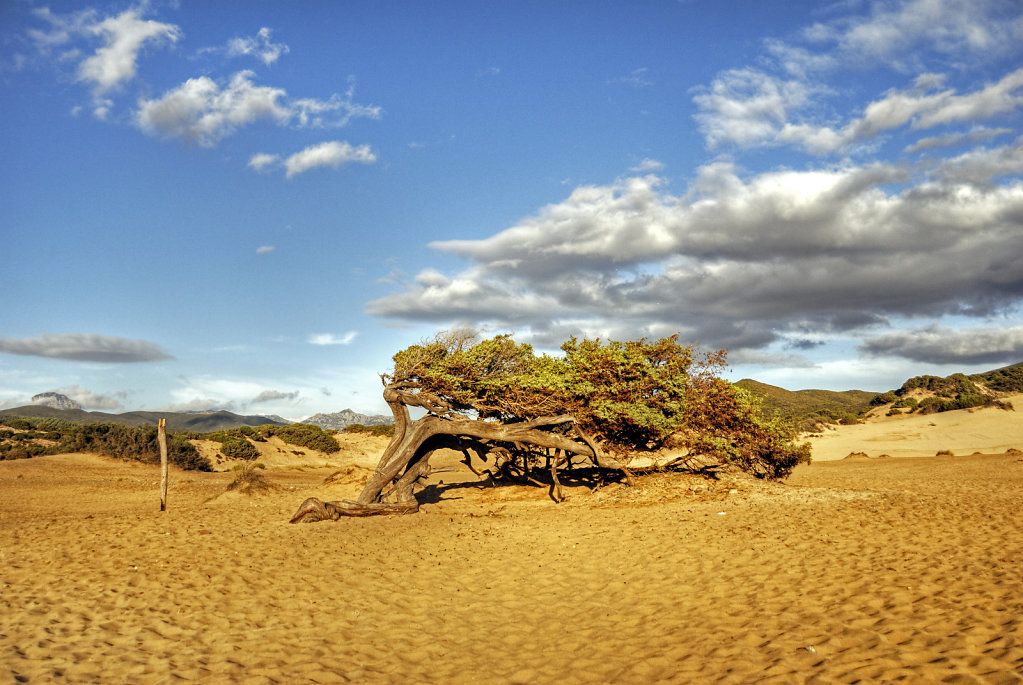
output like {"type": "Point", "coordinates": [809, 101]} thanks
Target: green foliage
{"type": "Point", "coordinates": [631, 396]}
{"type": "Point", "coordinates": [952, 386]}
{"type": "Point", "coordinates": [809, 406]}
{"type": "Point", "coordinates": [950, 393]}
{"type": "Point", "coordinates": [385, 430]}
{"type": "Point", "coordinates": [884, 398]}
{"type": "Point", "coordinates": [233, 444]}
{"type": "Point", "coordinates": [109, 439]}
{"type": "Point", "coordinates": [302, 435]}
{"type": "Point", "coordinates": [1007, 379]}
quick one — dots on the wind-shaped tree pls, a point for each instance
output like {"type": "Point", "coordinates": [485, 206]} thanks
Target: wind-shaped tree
{"type": "Point", "coordinates": [599, 402]}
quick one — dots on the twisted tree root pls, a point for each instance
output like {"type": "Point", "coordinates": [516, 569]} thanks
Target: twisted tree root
{"type": "Point", "coordinates": [313, 510]}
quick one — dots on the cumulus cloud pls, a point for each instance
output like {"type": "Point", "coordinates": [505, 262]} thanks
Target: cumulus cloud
{"type": "Point", "coordinates": [782, 100]}
{"type": "Point", "coordinates": [85, 347]}
{"type": "Point", "coordinates": [738, 262]}
{"type": "Point", "coordinates": [274, 395]}
{"type": "Point", "coordinates": [747, 108]}
{"type": "Point", "coordinates": [260, 46]}
{"type": "Point", "coordinates": [937, 344]}
{"type": "Point", "coordinates": [332, 153]}
{"type": "Point", "coordinates": [893, 33]}
{"type": "Point", "coordinates": [203, 111]}
{"type": "Point", "coordinates": [115, 62]}
{"type": "Point", "coordinates": [263, 161]}
{"type": "Point", "coordinates": [123, 37]}
{"type": "Point", "coordinates": [332, 339]}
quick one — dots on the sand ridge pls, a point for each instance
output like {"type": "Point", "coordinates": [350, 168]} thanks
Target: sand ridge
{"type": "Point", "coordinates": [851, 571]}
{"type": "Point", "coordinates": [986, 430]}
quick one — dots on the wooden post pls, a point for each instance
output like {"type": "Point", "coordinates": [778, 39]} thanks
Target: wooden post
{"type": "Point", "coordinates": [161, 436]}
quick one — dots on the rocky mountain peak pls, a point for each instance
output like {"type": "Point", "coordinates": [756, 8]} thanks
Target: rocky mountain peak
{"type": "Point", "coordinates": [342, 419]}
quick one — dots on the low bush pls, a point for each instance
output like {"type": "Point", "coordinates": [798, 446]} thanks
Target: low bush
{"type": "Point", "coordinates": [385, 430]}
{"type": "Point", "coordinates": [136, 443]}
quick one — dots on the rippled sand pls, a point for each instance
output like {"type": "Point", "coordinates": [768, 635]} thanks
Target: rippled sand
{"type": "Point", "coordinates": [852, 571]}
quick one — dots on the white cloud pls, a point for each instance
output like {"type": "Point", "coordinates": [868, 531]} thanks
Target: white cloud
{"type": "Point", "coordinates": [332, 339]}
{"type": "Point", "coordinates": [783, 100]}
{"type": "Point", "coordinates": [335, 111]}
{"type": "Point", "coordinates": [265, 249]}
{"type": "Point", "coordinates": [89, 399]}
{"type": "Point", "coordinates": [123, 36]}
{"type": "Point", "coordinates": [895, 33]}
{"type": "Point", "coordinates": [259, 46]}
{"type": "Point", "coordinates": [747, 107]}
{"type": "Point", "coordinates": [263, 161]}
{"type": "Point", "coordinates": [647, 165]}
{"type": "Point", "coordinates": [203, 112]}
{"type": "Point", "coordinates": [332, 153]}
{"type": "Point", "coordinates": [750, 109]}
{"type": "Point", "coordinates": [115, 62]}
{"type": "Point", "coordinates": [200, 111]}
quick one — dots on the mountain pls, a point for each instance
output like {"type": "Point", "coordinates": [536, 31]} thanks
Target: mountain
{"type": "Point", "coordinates": [342, 419]}
{"type": "Point", "coordinates": [55, 400]}
{"type": "Point", "coordinates": [200, 422]}
{"type": "Point", "coordinates": [796, 404]}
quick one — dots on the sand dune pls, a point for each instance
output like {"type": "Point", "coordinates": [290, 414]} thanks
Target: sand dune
{"type": "Point", "coordinates": [851, 572]}
{"type": "Point", "coordinates": [987, 430]}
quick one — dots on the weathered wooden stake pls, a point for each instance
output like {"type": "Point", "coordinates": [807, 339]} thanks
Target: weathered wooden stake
{"type": "Point", "coordinates": [161, 436]}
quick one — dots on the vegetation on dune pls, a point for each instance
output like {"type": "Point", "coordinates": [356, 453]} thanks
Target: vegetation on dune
{"type": "Point", "coordinates": [1007, 379]}
{"type": "Point", "coordinates": [949, 393]}
{"type": "Point", "coordinates": [302, 435]}
{"type": "Point", "coordinates": [236, 443]}
{"type": "Point", "coordinates": [530, 414]}
{"type": "Point", "coordinates": [31, 437]}
{"type": "Point", "coordinates": [382, 430]}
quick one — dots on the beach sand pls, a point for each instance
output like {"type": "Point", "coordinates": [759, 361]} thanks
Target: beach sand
{"type": "Point", "coordinates": [860, 570]}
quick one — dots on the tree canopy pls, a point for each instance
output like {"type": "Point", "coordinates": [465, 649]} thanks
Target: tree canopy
{"type": "Point", "coordinates": [603, 401]}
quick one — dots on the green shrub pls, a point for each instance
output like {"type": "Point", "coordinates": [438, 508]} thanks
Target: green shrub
{"type": "Point", "coordinates": [302, 435]}
{"type": "Point", "coordinates": [385, 430]}
{"type": "Point", "coordinates": [235, 447]}
{"type": "Point", "coordinates": [883, 398]}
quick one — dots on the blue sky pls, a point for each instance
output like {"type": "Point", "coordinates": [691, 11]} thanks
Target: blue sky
{"type": "Point", "coordinates": [253, 205]}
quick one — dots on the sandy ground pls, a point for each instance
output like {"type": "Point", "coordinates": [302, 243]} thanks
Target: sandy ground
{"type": "Point", "coordinates": [987, 430]}
{"type": "Point", "coordinates": [861, 570]}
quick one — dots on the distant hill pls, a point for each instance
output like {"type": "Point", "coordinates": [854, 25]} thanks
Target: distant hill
{"type": "Point", "coordinates": [200, 422]}
{"type": "Point", "coordinates": [342, 419]}
{"type": "Point", "coordinates": [798, 404]}
{"type": "Point", "coordinates": [920, 393]}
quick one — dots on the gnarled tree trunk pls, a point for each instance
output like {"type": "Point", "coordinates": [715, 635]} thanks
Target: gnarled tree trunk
{"type": "Point", "coordinates": [407, 456]}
